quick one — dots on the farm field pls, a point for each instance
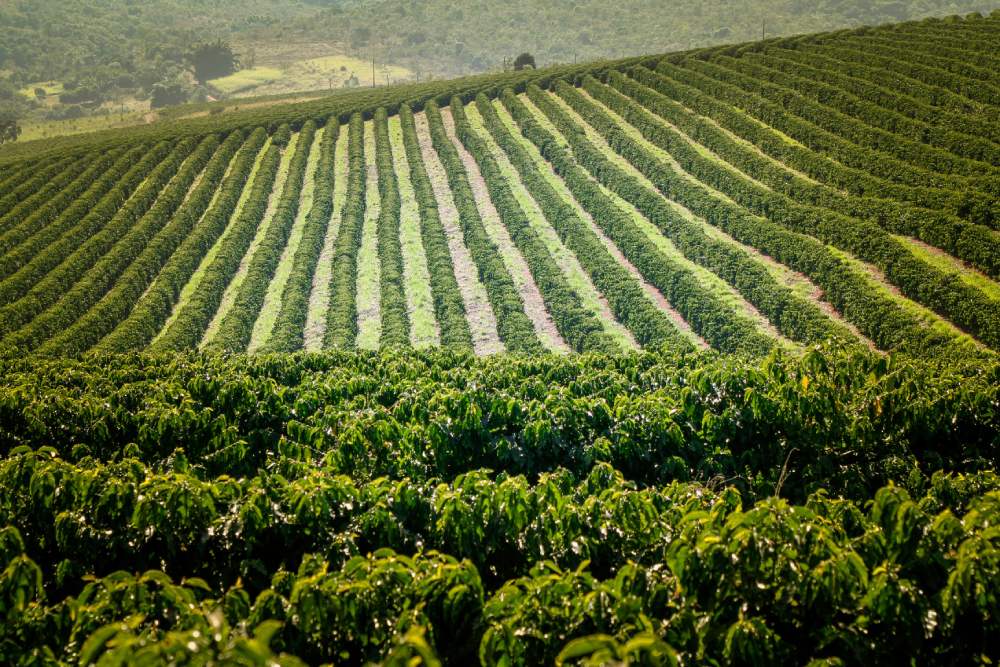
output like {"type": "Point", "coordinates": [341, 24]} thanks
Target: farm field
{"type": "Point", "coordinates": [681, 359]}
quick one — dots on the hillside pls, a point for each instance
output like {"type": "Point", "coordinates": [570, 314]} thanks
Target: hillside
{"type": "Point", "coordinates": [682, 358]}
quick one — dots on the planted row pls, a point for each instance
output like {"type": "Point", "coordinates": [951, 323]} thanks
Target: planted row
{"type": "Point", "coordinates": [178, 211]}
{"type": "Point", "coordinates": [964, 305]}
{"type": "Point", "coordinates": [395, 320]}
{"type": "Point", "coordinates": [794, 316]}
{"type": "Point", "coordinates": [188, 327]}
{"type": "Point", "coordinates": [135, 328]}
{"type": "Point", "coordinates": [237, 324]}
{"type": "Point", "coordinates": [513, 325]}
{"type": "Point", "coordinates": [449, 309]}
{"type": "Point", "coordinates": [342, 316]}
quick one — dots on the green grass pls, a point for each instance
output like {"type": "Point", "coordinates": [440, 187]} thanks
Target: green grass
{"type": "Point", "coordinates": [576, 276]}
{"type": "Point", "coordinates": [272, 298]}
{"type": "Point", "coordinates": [424, 330]}
{"type": "Point", "coordinates": [945, 262]}
{"type": "Point", "coordinates": [246, 79]}
{"type": "Point", "coordinates": [369, 273]}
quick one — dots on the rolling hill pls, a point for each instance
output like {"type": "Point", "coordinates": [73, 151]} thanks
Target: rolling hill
{"type": "Point", "coordinates": [677, 358]}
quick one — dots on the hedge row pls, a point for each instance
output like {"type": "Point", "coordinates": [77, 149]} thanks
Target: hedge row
{"type": "Point", "coordinates": [964, 305]}
{"type": "Point", "coordinates": [85, 277]}
{"type": "Point", "coordinates": [98, 224]}
{"type": "Point", "coordinates": [342, 316]}
{"type": "Point", "coordinates": [151, 254]}
{"type": "Point", "coordinates": [39, 222]}
{"type": "Point", "coordinates": [237, 324]}
{"type": "Point", "coordinates": [449, 309]}
{"type": "Point", "coordinates": [803, 80]}
{"type": "Point", "coordinates": [26, 188]}
{"type": "Point", "coordinates": [188, 327]}
{"type": "Point", "coordinates": [395, 320]}
{"type": "Point", "coordinates": [513, 325]}
{"type": "Point", "coordinates": [973, 243]}
{"type": "Point", "coordinates": [920, 186]}
{"type": "Point", "coordinates": [879, 317]}
{"type": "Point", "coordinates": [288, 334]}
{"type": "Point", "coordinates": [135, 328]}
{"type": "Point", "coordinates": [796, 317]}
{"type": "Point", "coordinates": [715, 322]}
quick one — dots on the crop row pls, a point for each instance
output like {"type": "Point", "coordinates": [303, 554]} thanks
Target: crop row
{"type": "Point", "coordinates": [513, 325]}
{"type": "Point", "coordinates": [140, 318]}
{"type": "Point", "coordinates": [288, 334]}
{"type": "Point", "coordinates": [714, 321]}
{"type": "Point", "coordinates": [866, 130]}
{"type": "Point", "coordinates": [395, 320]}
{"type": "Point", "coordinates": [793, 316]}
{"type": "Point", "coordinates": [878, 317]}
{"type": "Point", "coordinates": [189, 325]}
{"type": "Point", "coordinates": [886, 203]}
{"type": "Point", "coordinates": [964, 305]}
{"type": "Point", "coordinates": [342, 317]}
{"type": "Point", "coordinates": [39, 227]}
{"type": "Point", "coordinates": [449, 309]}
{"type": "Point", "coordinates": [91, 271]}
{"type": "Point", "coordinates": [34, 187]}
{"type": "Point", "coordinates": [237, 324]}
{"type": "Point", "coordinates": [174, 216]}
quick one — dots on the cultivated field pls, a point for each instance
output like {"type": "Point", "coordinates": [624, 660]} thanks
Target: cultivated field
{"type": "Point", "coordinates": [783, 259]}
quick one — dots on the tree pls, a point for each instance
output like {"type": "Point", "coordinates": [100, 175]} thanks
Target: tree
{"type": "Point", "coordinates": [9, 129]}
{"type": "Point", "coordinates": [168, 93]}
{"type": "Point", "coordinates": [524, 61]}
{"type": "Point", "coordinates": [212, 60]}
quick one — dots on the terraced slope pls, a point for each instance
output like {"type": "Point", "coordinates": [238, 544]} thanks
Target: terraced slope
{"type": "Point", "coordinates": [772, 195]}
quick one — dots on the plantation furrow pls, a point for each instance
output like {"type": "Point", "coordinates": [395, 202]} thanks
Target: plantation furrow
{"type": "Point", "coordinates": [908, 102]}
{"type": "Point", "coordinates": [880, 319]}
{"type": "Point", "coordinates": [200, 298]}
{"type": "Point", "coordinates": [319, 294]}
{"type": "Point", "coordinates": [369, 293]}
{"type": "Point", "coordinates": [424, 331]}
{"type": "Point", "coordinates": [442, 266]}
{"type": "Point", "coordinates": [479, 311]}
{"type": "Point", "coordinates": [29, 194]}
{"type": "Point", "coordinates": [236, 329]}
{"type": "Point", "coordinates": [819, 140]}
{"type": "Point", "coordinates": [136, 326]}
{"type": "Point", "coordinates": [766, 286]}
{"type": "Point", "coordinates": [581, 312]}
{"type": "Point", "coordinates": [969, 92]}
{"type": "Point", "coordinates": [711, 308]}
{"type": "Point", "coordinates": [932, 165]}
{"type": "Point", "coordinates": [60, 215]}
{"type": "Point", "coordinates": [393, 305]}
{"type": "Point", "coordinates": [144, 257]}
{"type": "Point", "coordinates": [342, 316]}
{"type": "Point", "coordinates": [297, 272]}
{"type": "Point", "coordinates": [87, 277]}
{"type": "Point", "coordinates": [43, 280]}
{"type": "Point", "coordinates": [853, 120]}
{"type": "Point", "coordinates": [534, 304]}
{"type": "Point", "coordinates": [965, 306]}
{"type": "Point", "coordinates": [268, 220]}
{"type": "Point", "coordinates": [264, 328]}
{"type": "Point", "coordinates": [949, 264]}
{"type": "Point", "coordinates": [972, 242]}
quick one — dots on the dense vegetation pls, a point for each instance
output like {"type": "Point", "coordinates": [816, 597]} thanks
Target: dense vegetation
{"type": "Point", "coordinates": [253, 406]}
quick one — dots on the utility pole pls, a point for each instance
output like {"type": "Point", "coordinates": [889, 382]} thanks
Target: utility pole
{"type": "Point", "coordinates": [373, 70]}
{"type": "Point", "coordinates": [763, 25]}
